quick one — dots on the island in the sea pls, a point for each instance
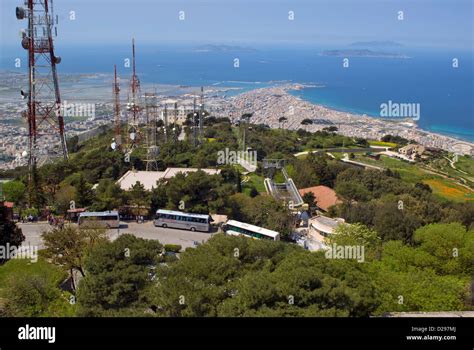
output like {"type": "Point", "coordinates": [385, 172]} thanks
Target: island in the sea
{"type": "Point", "coordinates": [373, 44]}
{"type": "Point", "coordinates": [223, 48]}
{"type": "Point", "coordinates": [362, 53]}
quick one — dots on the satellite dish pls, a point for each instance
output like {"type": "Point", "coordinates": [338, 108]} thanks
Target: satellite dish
{"type": "Point", "coordinates": [132, 135]}
{"type": "Point", "coordinates": [24, 154]}
{"type": "Point", "coordinates": [113, 145]}
{"type": "Point", "coordinates": [20, 13]}
{"type": "Point", "coordinates": [25, 42]}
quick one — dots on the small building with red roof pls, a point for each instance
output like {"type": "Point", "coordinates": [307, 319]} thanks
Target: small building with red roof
{"type": "Point", "coordinates": [325, 196]}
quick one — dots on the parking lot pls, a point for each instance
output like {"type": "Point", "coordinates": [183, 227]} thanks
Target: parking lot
{"type": "Point", "coordinates": [32, 232]}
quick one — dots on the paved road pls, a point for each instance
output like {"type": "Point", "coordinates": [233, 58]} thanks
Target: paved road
{"type": "Point", "coordinates": [32, 232]}
{"type": "Point", "coordinates": [343, 150]}
{"type": "Point", "coordinates": [364, 165]}
{"type": "Point", "coordinates": [164, 235]}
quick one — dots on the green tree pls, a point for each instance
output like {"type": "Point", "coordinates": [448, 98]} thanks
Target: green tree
{"type": "Point", "coordinates": [461, 212]}
{"type": "Point", "coordinates": [282, 121]}
{"type": "Point", "coordinates": [406, 280]}
{"type": "Point", "coordinates": [63, 198]}
{"type": "Point", "coordinates": [108, 196]}
{"type": "Point", "coordinates": [352, 191]}
{"type": "Point", "coordinates": [51, 176]}
{"type": "Point", "coordinates": [358, 235]}
{"type": "Point", "coordinates": [10, 234]}
{"type": "Point", "coordinates": [393, 223]}
{"type": "Point", "coordinates": [310, 199]}
{"type": "Point", "coordinates": [195, 190]}
{"type": "Point", "coordinates": [68, 247]}
{"type": "Point", "coordinates": [84, 194]}
{"type": "Point", "coordinates": [118, 274]}
{"type": "Point", "coordinates": [451, 244]}
{"type": "Point", "coordinates": [139, 198]}
{"type": "Point", "coordinates": [15, 191]}
{"type": "Point", "coordinates": [237, 276]}
{"type": "Point", "coordinates": [158, 197]}
{"type": "Point", "coordinates": [268, 212]}
{"type": "Point", "coordinates": [32, 290]}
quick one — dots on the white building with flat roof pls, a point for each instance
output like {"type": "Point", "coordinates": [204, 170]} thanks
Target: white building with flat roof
{"type": "Point", "coordinates": [321, 227]}
{"type": "Point", "coordinates": [149, 178]}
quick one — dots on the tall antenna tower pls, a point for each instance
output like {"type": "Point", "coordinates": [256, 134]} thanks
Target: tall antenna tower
{"type": "Point", "coordinates": [117, 119]}
{"type": "Point", "coordinates": [175, 119]}
{"type": "Point", "coordinates": [194, 122]}
{"type": "Point", "coordinates": [151, 112]}
{"type": "Point", "coordinates": [165, 122]}
{"type": "Point", "coordinates": [201, 117]}
{"type": "Point", "coordinates": [133, 107]}
{"type": "Point", "coordinates": [45, 121]}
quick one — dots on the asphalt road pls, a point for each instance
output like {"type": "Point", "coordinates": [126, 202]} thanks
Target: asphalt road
{"type": "Point", "coordinates": [32, 232]}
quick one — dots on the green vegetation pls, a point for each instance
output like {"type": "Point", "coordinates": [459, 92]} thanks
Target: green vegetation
{"type": "Point", "coordinates": [10, 234]}
{"type": "Point", "coordinates": [444, 188]}
{"type": "Point", "coordinates": [383, 144]}
{"type": "Point", "coordinates": [67, 247]}
{"type": "Point", "coordinates": [14, 191]}
{"type": "Point", "coordinates": [118, 274]}
{"type": "Point", "coordinates": [263, 210]}
{"type": "Point", "coordinates": [395, 139]}
{"type": "Point", "coordinates": [236, 276]}
{"type": "Point", "coordinates": [418, 249]}
{"type": "Point", "coordinates": [253, 184]}
{"type": "Point", "coordinates": [465, 164]}
{"type": "Point", "coordinates": [462, 169]}
{"type": "Point", "coordinates": [395, 209]}
{"type": "Point", "coordinates": [31, 289]}
{"type": "Point", "coordinates": [174, 248]}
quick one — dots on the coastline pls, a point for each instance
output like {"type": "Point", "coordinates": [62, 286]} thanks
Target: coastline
{"type": "Point", "coordinates": [267, 100]}
{"type": "Point", "coordinates": [269, 104]}
{"type": "Point", "coordinates": [455, 133]}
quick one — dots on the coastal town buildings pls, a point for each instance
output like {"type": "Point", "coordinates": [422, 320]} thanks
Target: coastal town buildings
{"type": "Point", "coordinates": [267, 105]}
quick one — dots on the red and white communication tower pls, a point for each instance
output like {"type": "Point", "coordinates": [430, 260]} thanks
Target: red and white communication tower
{"type": "Point", "coordinates": [133, 107]}
{"type": "Point", "coordinates": [45, 121]}
{"type": "Point", "coordinates": [117, 119]}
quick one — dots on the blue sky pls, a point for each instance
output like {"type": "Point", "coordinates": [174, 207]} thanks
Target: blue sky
{"type": "Point", "coordinates": [446, 23]}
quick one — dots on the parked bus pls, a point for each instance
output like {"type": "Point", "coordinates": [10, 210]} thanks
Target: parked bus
{"type": "Point", "coordinates": [106, 219]}
{"type": "Point", "coordinates": [237, 228]}
{"type": "Point", "coordinates": [188, 221]}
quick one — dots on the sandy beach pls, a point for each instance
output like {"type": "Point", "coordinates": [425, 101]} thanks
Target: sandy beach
{"type": "Point", "coordinates": [269, 104]}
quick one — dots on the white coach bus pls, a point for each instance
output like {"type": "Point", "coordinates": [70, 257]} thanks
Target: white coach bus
{"type": "Point", "coordinates": [237, 228]}
{"type": "Point", "coordinates": [187, 221]}
{"type": "Point", "coordinates": [106, 219]}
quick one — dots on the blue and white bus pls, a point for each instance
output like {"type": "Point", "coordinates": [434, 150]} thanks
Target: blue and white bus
{"type": "Point", "coordinates": [187, 221]}
{"type": "Point", "coordinates": [237, 228]}
{"type": "Point", "coordinates": [105, 219]}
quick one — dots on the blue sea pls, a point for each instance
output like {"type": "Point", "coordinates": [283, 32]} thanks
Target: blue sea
{"type": "Point", "coordinates": [444, 93]}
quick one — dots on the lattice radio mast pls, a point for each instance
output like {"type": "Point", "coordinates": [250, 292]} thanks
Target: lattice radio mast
{"type": "Point", "coordinates": [133, 107]}
{"type": "Point", "coordinates": [45, 121]}
{"type": "Point", "coordinates": [117, 117]}
{"type": "Point", "coordinates": [201, 117]}
{"type": "Point", "coordinates": [151, 110]}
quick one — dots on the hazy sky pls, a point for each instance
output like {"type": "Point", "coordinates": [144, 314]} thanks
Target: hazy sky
{"type": "Point", "coordinates": [426, 23]}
